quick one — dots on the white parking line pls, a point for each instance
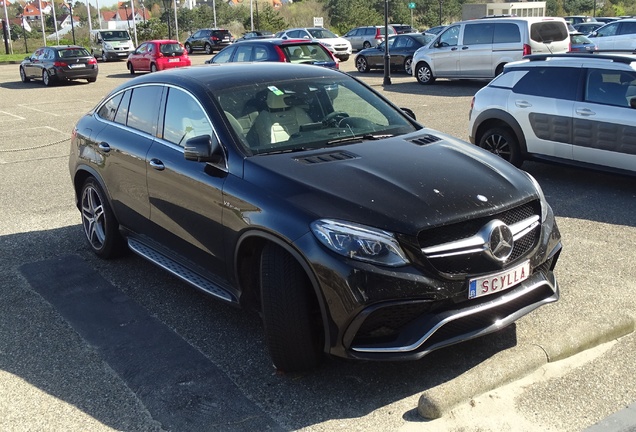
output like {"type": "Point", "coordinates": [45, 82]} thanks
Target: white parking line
{"type": "Point", "coordinates": [17, 117]}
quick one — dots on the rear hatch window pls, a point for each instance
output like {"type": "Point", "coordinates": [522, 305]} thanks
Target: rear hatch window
{"type": "Point", "coordinates": [73, 53]}
{"type": "Point", "coordinates": [170, 49]}
{"type": "Point", "coordinates": [548, 31]}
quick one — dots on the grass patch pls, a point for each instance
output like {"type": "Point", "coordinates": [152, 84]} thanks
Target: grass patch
{"type": "Point", "coordinates": [12, 57]}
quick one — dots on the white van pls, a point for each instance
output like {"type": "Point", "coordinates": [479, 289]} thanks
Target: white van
{"type": "Point", "coordinates": [111, 44]}
{"type": "Point", "coordinates": [480, 48]}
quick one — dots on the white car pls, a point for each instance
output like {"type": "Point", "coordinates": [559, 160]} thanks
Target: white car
{"type": "Point", "coordinates": [340, 47]}
{"type": "Point", "coordinates": [616, 36]}
{"type": "Point", "coordinates": [578, 109]}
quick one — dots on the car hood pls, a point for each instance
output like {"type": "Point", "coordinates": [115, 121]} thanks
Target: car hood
{"type": "Point", "coordinates": [398, 184]}
{"type": "Point", "coordinates": [334, 41]}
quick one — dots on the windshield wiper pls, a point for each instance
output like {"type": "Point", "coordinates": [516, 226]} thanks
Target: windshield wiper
{"type": "Point", "coordinates": [359, 138]}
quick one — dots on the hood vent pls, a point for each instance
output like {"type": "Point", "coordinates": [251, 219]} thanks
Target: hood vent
{"type": "Point", "coordinates": [426, 139]}
{"type": "Point", "coordinates": [326, 157]}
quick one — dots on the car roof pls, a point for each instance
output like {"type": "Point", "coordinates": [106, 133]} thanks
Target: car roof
{"type": "Point", "coordinates": [575, 59]}
{"type": "Point", "coordinates": [278, 41]}
{"type": "Point", "coordinates": [214, 77]}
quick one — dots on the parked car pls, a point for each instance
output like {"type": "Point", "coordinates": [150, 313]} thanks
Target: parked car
{"type": "Point", "coordinates": [367, 37]}
{"type": "Point", "coordinates": [577, 19]}
{"type": "Point", "coordinates": [403, 28]}
{"type": "Point", "coordinates": [587, 27]}
{"type": "Point", "coordinates": [479, 49]}
{"type": "Point", "coordinates": [59, 63]}
{"type": "Point", "coordinates": [573, 108]}
{"type": "Point", "coordinates": [277, 50]}
{"type": "Point", "coordinates": [616, 36]}
{"type": "Point", "coordinates": [340, 47]}
{"type": "Point", "coordinates": [110, 44]}
{"type": "Point", "coordinates": [157, 55]}
{"type": "Point", "coordinates": [606, 20]}
{"type": "Point", "coordinates": [435, 30]}
{"type": "Point", "coordinates": [337, 216]}
{"type": "Point", "coordinates": [208, 40]}
{"type": "Point", "coordinates": [401, 50]}
{"type": "Point", "coordinates": [256, 34]}
{"type": "Point", "coordinates": [580, 43]}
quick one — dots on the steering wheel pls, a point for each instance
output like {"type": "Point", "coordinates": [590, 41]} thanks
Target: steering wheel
{"type": "Point", "coordinates": [334, 118]}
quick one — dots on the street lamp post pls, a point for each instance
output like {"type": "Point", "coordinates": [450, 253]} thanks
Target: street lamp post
{"type": "Point", "coordinates": [166, 8]}
{"type": "Point", "coordinates": [387, 56]}
{"type": "Point", "coordinates": [440, 12]}
{"type": "Point", "coordinates": [70, 7]}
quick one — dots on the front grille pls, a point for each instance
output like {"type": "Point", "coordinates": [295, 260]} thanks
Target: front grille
{"type": "Point", "coordinates": [477, 263]}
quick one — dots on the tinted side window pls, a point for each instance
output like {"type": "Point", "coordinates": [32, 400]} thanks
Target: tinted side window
{"type": "Point", "coordinates": [475, 34]}
{"type": "Point", "coordinates": [144, 109]}
{"type": "Point", "coordinates": [555, 82]}
{"type": "Point", "coordinates": [122, 111]}
{"type": "Point", "coordinates": [506, 32]}
{"type": "Point", "coordinates": [184, 118]}
{"type": "Point", "coordinates": [610, 87]}
{"type": "Point", "coordinates": [243, 53]}
{"type": "Point", "coordinates": [548, 31]}
{"type": "Point", "coordinates": [223, 56]}
{"type": "Point", "coordinates": [628, 28]}
{"type": "Point", "coordinates": [108, 110]}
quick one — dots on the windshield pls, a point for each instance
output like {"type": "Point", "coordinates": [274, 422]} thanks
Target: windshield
{"type": "Point", "coordinates": [321, 34]}
{"type": "Point", "coordinates": [115, 35]}
{"type": "Point", "coordinates": [300, 114]}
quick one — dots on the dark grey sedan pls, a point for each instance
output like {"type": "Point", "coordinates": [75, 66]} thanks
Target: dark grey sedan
{"type": "Point", "coordinates": [59, 63]}
{"type": "Point", "coordinates": [401, 50]}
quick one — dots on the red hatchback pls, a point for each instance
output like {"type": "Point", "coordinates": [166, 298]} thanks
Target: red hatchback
{"type": "Point", "coordinates": [156, 55]}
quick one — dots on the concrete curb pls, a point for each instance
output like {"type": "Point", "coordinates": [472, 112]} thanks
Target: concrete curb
{"type": "Point", "coordinates": [520, 361]}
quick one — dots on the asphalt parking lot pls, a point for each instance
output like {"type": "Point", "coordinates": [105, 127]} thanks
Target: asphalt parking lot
{"type": "Point", "coordinates": [87, 344]}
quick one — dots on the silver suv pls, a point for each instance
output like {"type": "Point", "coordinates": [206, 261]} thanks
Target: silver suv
{"type": "Point", "coordinates": [571, 108]}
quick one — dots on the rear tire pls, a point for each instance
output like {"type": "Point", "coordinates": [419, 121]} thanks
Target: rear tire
{"type": "Point", "coordinates": [46, 78]}
{"type": "Point", "coordinates": [362, 64]}
{"type": "Point", "coordinates": [366, 45]}
{"type": "Point", "coordinates": [290, 313]}
{"type": "Point", "coordinates": [503, 143]}
{"type": "Point", "coordinates": [91, 80]}
{"type": "Point", "coordinates": [408, 66]}
{"type": "Point", "coordinates": [208, 48]}
{"type": "Point", "coordinates": [98, 220]}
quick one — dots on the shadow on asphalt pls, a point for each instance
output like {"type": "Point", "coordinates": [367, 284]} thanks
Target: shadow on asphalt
{"type": "Point", "coordinates": [19, 85]}
{"type": "Point", "coordinates": [231, 339]}
{"type": "Point", "coordinates": [585, 194]}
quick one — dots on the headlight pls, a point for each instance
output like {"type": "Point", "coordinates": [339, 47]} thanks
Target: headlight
{"type": "Point", "coordinates": [328, 45]}
{"type": "Point", "coordinates": [359, 242]}
{"type": "Point", "coordinates": [544, 202]}
{"type": "Point", "coordinates": [108, 46]}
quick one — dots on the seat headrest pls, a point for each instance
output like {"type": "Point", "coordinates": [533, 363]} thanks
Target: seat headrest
{"type": "Point", "coordinates": [275, 101]}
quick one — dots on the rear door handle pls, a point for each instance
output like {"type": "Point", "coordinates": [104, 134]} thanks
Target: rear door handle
{"type": "Point", "coordinates": [585, 112]}
{"type": "Point", "coordinates": [157, 164]}
{"type": "Point", "coordinates": [464, 48]}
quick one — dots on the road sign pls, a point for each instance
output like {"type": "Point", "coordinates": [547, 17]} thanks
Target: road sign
{"type": "Point", "coordinates": [317, 21]}
{"type": "Point", "coordinates": [411, 5]}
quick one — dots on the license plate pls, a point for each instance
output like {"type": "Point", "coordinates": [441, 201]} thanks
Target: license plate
{"type": "Point", "coordinates": [496, 282]}
{"type": "Point", "coordinates": [173, 60]}
{"type": "Point", "coordinates": [77, 65]}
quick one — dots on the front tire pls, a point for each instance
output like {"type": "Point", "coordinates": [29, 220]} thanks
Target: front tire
{"type": "Point", "coordinates": [153, 68]}
{"type": "Point", "coordinates": [424, 74]}
{"type": "Point", "coordinates": [290, 312]}
{"type": "Point", "coordinates": [188, 48]}
{"type": "Point", "coordinates": [362, 64]}
{"type": "Point", "coordinates": [131, 68]}
{"type": "Point", "coordinates": [98, 220]}
{"type": "Point", "coordinates": [104, 57]}
{"type": "Point", "coordinates": [503, 143]}
{"type": "Point", "coordinates": [23, 76]}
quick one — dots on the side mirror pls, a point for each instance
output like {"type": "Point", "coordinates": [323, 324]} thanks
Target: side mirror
{"type": "Point", "coordinates": [203, 148]}
{"type": "Point", "coordinates": [409, 112]}
{"type": "Point", "coordinates": [632, 102]}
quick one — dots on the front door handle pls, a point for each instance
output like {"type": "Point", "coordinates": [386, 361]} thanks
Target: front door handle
{"type": "Point", "coordinates": [585, 112]}
{"type": "Point", "coordinates": [103, 146]}
{"type": "Point", "coordinates": [157, 164]}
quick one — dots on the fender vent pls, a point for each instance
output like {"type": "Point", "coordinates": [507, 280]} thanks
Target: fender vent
{"type": "Point", "coordinates": [426, 139]}
{"type": "Point", "coordinates": [326, 157]}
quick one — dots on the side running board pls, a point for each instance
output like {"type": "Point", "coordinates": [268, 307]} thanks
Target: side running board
{"type": "Point", "coordinates": [180, 271]}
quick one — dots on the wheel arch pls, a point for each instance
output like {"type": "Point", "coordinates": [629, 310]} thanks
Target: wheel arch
{"type": "Point", "coordinates": [247, 272]}
{"type": "Point", "coordinates": [495, 117]}
{"type": "Point", "coordinates": [79, 178]}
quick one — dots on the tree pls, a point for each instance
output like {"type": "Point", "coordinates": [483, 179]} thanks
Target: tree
{"type": "Point", "coordinates": [152, 29]}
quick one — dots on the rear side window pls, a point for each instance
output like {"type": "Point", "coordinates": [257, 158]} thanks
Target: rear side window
{"type": "Point", "coordinates": [555, 83]}
{"type": "Point", "coordinates": [548, 31]}
{"type": "Point", "coordinates": [144, 109]}
{"type": "Point", "coordinates": [243, 53]}
{"type": "Point", "coordinates": [506, 33]}
{"type": "Point", "coordinates": [306, 53]}
{"type": "Point", "coordinates": [477, 34]}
